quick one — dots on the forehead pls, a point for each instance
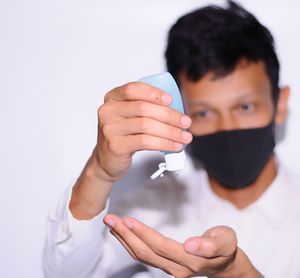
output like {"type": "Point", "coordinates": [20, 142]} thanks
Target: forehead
{"type": "Point", "coordinates": [248, 78]}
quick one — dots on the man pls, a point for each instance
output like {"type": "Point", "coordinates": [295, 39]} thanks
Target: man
{"type": "Point", "coordinates": [236, 218]}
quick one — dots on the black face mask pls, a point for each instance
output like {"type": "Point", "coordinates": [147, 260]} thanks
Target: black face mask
{"type": "Point", "coordinates": [234, 158]}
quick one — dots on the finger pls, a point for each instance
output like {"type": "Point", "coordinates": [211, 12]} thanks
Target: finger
{"type": "Point", "coordinates": [140, 250]}
{"type": "Point", "coordinates": [124, 244]}
{"type": "Point", "coordinates": [139, 91]}
{"type": "Point", "coordinates": [147, 126]}
{"type": "Point", "coordinates": [161, 245]}
{"type": "Point", "coordinates": [145, 109]}
{"type": "Point", "coordinates": [135, 246]}
{"type": "Point", "coordinates": [219, 241]}
{"type": "Point", "coordinates": [124, 145]}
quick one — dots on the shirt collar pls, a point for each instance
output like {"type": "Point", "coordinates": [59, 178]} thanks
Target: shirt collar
{"type": "Point", "coordinates": [273, 203]}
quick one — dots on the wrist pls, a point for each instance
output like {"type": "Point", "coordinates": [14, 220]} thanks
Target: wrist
{"type": "Point", "coordinates": [90, 192]}
{"type": "Point", "coordinates": [95, 169]}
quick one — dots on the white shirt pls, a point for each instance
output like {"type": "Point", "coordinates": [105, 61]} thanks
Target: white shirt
{"type": "Point", "coordinates": [179, 207]}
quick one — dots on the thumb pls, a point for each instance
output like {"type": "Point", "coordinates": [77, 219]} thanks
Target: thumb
{"type": "Point", "coordinates": [219, 241]}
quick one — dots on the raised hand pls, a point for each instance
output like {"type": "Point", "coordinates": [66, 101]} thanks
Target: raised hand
{"type": "Point", "coordinates": [134, 117]}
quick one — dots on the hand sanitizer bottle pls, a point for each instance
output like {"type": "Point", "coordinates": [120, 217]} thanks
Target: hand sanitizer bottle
{"type": "Point", "coordinates": [174, 161]}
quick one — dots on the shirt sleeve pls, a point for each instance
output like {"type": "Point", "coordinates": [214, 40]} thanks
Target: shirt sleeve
{"type": "Point", "coordinates": [85, 248]}
{"type": "Point", "coordinates": [73, 248]}
{"type": "Point", "coordinates": [81, 248]}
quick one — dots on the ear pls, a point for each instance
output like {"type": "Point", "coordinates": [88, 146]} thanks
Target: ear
{"type": "Point", "coordinates": [282, 105]}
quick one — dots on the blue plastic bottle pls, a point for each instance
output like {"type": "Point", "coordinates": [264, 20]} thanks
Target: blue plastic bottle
{"type": "Point", "coordinates": [174, 161]}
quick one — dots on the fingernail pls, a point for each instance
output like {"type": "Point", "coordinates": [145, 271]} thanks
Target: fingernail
{"type": "Point", "coordinates": [186, 136]}
{"type": "Point", "coordinates": [185, 120]}
{"type": "Point", "coordinates": [191, 246]}
{"type": "Point", "coordinates": [178, 146]}
{"type": "Point", "coordinates": [167, 99]}
{"type": "Point", "coordinates": [109, 222]}
{"type": "Point", "coordinates": [128, 223]}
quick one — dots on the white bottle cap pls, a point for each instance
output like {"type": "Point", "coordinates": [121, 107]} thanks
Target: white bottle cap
{"type": "Point", "coordinates": [175, 161]}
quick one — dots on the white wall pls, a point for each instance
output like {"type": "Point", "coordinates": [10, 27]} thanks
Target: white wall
{"type": "Point", "coordinates": [57, 59]}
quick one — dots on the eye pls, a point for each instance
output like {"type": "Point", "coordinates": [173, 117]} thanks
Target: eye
{"type": "Point", "coordinates": [202, 114]}
{"type": "Point", "coordinates": [246, 107]}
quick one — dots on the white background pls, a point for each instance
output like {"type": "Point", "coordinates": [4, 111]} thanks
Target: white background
{"type": "Point", "coordinates": [57, 60]}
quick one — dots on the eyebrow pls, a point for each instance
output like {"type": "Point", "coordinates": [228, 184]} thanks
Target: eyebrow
{"type": "Point", "coordinates": [203, 103]}
{"type": "Point", "coordinates": [199, 102]}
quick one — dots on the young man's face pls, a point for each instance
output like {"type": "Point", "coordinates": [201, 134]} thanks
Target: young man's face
{"type": "Point", "coordinates": [240, 100]}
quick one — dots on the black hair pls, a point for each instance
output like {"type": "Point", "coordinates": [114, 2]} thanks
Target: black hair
{"type": "Point", "coordinates": [215, 39]}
